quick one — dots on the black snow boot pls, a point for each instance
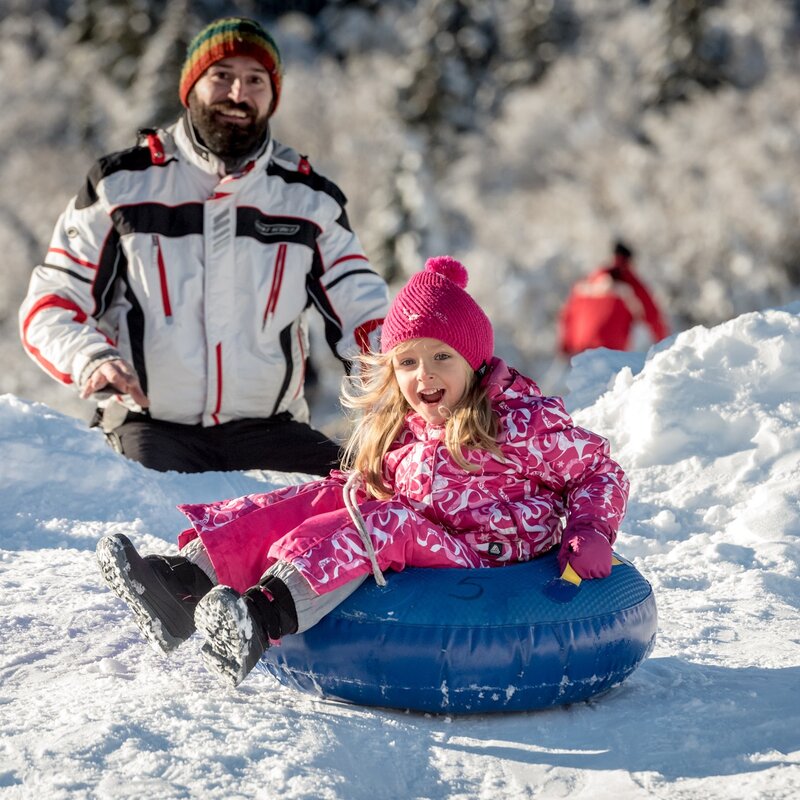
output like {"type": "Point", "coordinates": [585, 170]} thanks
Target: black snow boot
{"type": "Point", "coordinates": [238, 628]}
{"type": "Point", "coordinates": [161, 591]}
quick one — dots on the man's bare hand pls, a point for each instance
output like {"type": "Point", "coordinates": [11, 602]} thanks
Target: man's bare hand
{"type": "Point", "coordinates": [117, 375]}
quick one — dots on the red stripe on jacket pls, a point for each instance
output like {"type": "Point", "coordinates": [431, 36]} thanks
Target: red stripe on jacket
{"type": "Point", "coordinates": [162, 278]}
{"type": "Point", "coordinates": [277, 282]}
{"type": "Point", "coordinates": [50, 301]}
{"type": "Point", "coordinates": [347, 258]}
{"type": "Point", "coordinates": [363, 331]}
{"type": "Point", "coordinates": [218, 406]}
{"type": "Point", "coordinates": [71, 257]}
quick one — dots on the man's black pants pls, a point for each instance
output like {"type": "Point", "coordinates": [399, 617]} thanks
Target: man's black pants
{"type": "Point", "coordinates": [278, 443]}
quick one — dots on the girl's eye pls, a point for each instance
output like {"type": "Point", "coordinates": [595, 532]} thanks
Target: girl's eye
{"type": "Point", "coordinates": [406, 362]}
{"type": "Point", "coordinates": [442, 356]}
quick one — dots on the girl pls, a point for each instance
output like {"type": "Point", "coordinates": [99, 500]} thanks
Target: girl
{"type": "Point", "coordinates": [456, 460]}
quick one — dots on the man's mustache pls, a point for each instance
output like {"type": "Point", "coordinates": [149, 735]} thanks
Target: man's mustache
{"type": "Point", "coordinates": [227, 105]}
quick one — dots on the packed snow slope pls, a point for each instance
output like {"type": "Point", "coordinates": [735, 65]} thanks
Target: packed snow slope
{"type": "Point", "coordinates": [707, 426]}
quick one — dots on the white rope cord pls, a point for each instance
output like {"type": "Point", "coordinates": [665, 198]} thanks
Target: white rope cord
{"type": "Point", "coordinates": [349, 492]}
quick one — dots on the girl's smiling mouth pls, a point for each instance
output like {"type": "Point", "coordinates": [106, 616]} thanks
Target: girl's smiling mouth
{"type": "Point", "coordinates": [432, 396]}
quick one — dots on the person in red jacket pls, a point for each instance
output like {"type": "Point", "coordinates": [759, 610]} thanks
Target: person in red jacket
{"type": "Point", "coordinates": [603, 308]}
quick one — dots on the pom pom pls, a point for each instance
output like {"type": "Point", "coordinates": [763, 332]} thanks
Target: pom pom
{"type": "Point", "coordinates": [449, 268]}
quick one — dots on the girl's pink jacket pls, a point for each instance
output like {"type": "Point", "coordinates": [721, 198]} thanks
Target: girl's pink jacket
{"type": "Point", "coordinates": [509, 509]}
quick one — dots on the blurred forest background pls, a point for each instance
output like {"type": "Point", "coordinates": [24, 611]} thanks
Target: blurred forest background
{"type": "Point", "coordinates": [520, 136]}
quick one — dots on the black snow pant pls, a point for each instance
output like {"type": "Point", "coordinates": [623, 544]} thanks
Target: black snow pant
{"type": "Point", "coordinates": [274, 443]}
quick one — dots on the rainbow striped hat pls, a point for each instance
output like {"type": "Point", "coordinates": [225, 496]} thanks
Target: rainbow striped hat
{"type": "Point", "coordinates": [230, 36]}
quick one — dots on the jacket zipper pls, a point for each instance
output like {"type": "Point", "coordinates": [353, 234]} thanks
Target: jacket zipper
{"type": "Point", "coordinates": [275, 289]}
{"type": "Point", "coordinates": [218, 362]}
{"type": "Point", "coordinates": [162, 278]}
{"type": "Point", "coordinates": [302, 381]}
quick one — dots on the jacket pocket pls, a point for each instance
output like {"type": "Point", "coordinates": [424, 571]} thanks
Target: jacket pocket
{"type": "Point", "coordinates": [162, 278]}
{"type": "Point", "coordinates": [275, 288]}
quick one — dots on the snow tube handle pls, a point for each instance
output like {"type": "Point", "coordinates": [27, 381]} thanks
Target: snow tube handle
{"type": "Point", "coordinates": [568, 584]}
{"type": "Point", "coordinates": [570, 575]}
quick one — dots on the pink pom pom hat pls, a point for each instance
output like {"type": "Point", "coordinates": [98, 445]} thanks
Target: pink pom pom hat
{"type": "Point", "coordinates": [434, 305]}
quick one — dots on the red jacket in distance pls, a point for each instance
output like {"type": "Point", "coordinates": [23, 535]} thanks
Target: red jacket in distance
{"type": "Point", "coordinates": [602, 309]}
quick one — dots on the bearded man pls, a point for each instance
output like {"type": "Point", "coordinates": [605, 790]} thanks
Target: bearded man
{"type": "Point", "coordinates": [176, 287]}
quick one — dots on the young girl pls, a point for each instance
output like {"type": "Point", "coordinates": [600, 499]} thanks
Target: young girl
{"type": "Point", "coordinates": [456, 460]}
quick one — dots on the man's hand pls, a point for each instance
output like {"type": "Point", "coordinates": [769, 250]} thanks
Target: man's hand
{"type": "Point", "coordinates": [117, 375]}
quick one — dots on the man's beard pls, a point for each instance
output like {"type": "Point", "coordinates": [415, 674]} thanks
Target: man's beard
{"type": "Point", "coordinates": [231, 142]}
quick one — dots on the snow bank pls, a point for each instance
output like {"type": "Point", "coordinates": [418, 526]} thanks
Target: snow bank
{"type": "Point", "coordinates": [707, 426]}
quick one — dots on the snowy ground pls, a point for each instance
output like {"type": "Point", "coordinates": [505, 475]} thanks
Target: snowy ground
{"type": "Point", "coordinates": [708, 428]}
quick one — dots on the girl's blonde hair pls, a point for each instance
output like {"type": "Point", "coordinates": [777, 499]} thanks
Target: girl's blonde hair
{"type": "Point", "coordinates": [373, 393]}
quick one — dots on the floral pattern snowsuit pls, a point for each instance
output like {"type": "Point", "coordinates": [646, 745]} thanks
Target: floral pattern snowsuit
{"type": "Point", "coordinates": [509, 509]}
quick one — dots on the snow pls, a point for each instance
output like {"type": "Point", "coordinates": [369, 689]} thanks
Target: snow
{"type": "Point", "coordinates": [707, 425]}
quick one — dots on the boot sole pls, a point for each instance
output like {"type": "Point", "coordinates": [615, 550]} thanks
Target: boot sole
{"type": "Point", "coordinates": [115, 567]}
{"type": "Point", "coordinates": [224, 621]}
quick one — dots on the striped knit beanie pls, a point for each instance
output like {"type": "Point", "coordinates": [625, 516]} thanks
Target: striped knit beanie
{"type": "Point", "coordinates": [434, 305]}
{"type": "Point", "coordinates": [231, 36]}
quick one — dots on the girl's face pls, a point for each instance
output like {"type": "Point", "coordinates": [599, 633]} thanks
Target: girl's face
{"type": "Point", "coordinates": [432, 377]}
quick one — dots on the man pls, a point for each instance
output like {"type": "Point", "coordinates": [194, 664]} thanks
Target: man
{"type": "Point", "coordinates": [177, 281]}
{"type": "Point", "coordinates": [603, 308]}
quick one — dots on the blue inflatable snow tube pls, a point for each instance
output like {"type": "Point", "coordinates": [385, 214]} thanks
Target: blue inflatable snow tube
{"type": "Point", "coordinates": [460, 641]}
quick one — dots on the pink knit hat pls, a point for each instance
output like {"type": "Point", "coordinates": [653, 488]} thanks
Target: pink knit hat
{"type": "Point", "coordinates": [434, 305]}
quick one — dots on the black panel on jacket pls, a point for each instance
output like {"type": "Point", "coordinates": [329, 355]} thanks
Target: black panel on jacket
{"type": "Point", "coordinates": [134, 159]}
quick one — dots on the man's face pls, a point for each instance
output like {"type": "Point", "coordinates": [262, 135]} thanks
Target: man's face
{"type": "Point", "coordinates": [230, 105]}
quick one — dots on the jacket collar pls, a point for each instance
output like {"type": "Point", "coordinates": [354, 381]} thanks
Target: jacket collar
{"type": "Point", "coordinates": [504, 383]}
{"type": "Point", "coordinates": [422, 430]}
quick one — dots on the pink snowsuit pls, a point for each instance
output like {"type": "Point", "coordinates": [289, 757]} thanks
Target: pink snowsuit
{"type": "Point", "coordinates": [507, 510]}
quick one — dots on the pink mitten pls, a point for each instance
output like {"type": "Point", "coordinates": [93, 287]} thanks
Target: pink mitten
{"type": "Point", "coordinates": [588, 551]}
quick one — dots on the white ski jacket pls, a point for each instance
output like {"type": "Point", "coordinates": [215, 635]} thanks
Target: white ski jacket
{"type": "Point", "coordinates": [202, 283]}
